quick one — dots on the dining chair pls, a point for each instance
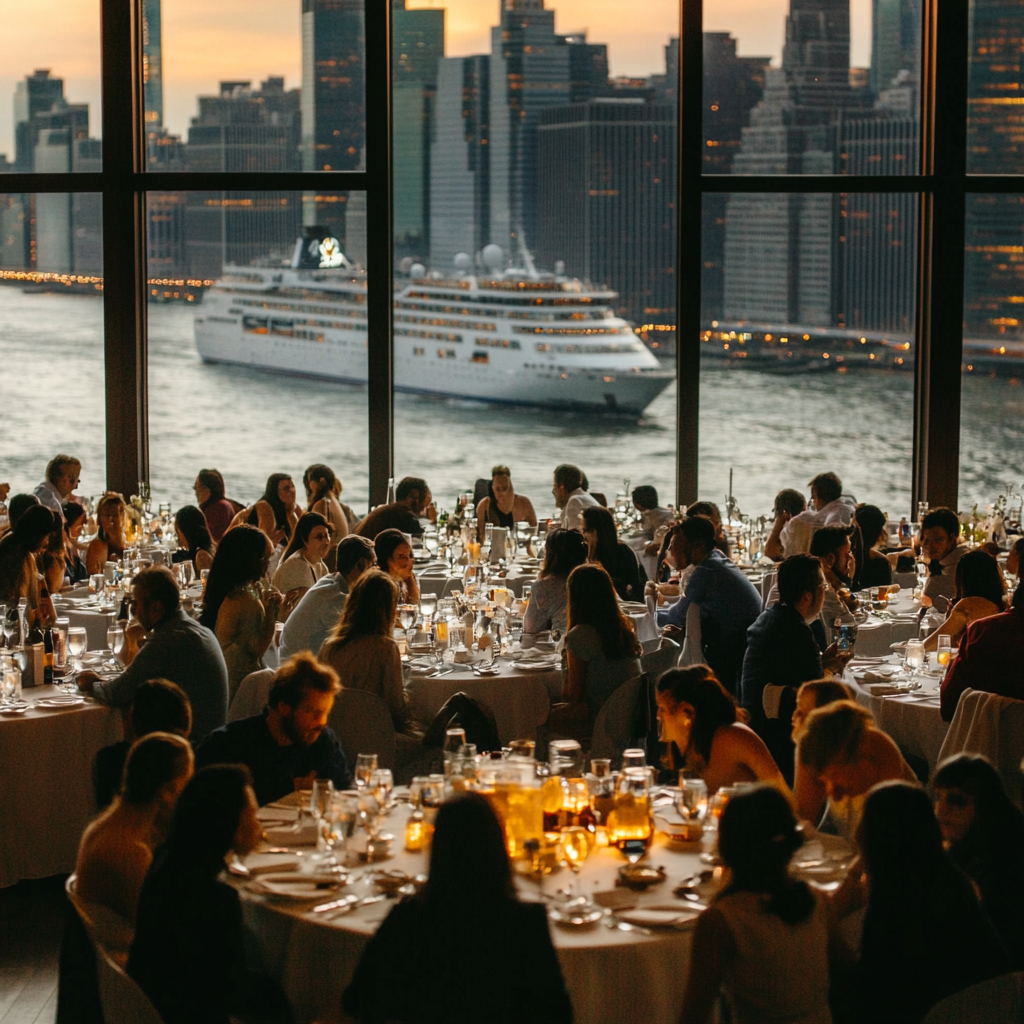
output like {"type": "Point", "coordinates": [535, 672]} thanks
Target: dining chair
{"type": "Point", "coordinates": [999, 999]}
{"type": "Point", "coordinates": [616, 727]}
{"type": "Point", "coordinates": [251, 696]}
{"type": "Point", "coordinates": [363, 725]}
{"type": "Point", "coordinates": [106, 927]}
{"type": "Point", "coordinates": [122, 999]}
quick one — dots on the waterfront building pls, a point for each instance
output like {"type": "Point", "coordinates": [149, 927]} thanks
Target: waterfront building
{"type": "Point", "coordinates": [152, 64]}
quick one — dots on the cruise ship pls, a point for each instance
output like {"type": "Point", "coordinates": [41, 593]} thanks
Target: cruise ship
{"type": "Point", "coordinates": [515, 337]}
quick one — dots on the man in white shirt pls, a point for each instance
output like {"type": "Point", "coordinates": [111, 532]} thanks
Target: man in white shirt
{"type": "Point", "coordinates": [941, 549]}
{"type": "Point", "coordinates": [570, 496]}
{"type": "Point", "coordinates": [62, 475]}
{"type": "Point", "coordinates": [315, 616]}
{"type": "Point", "coordinates": [830, 507]}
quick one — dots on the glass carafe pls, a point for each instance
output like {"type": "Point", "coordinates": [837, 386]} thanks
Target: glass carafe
{"type": "Point", "coordinates": [630, 823]}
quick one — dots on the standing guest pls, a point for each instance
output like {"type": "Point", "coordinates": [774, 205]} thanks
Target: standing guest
{"type": "Point", "coordinates": [394, 556]}
{"type": "Point", "coordinates": [361, 648]}
{"type": "Point", "coordinates": [117, 848]}
{"type": "Point", "coordinates": [570, 495]}
{"type": "Point", "coordinates": [941, 549]}
{"type": "Point", "coordinates": [984, 834]}
{"type": "Point", "coordinates": [830, 508]}
{"type": "Point", "coordinates": [62, 475]}
{"type": "Point", "coordinates": [188, 954]}
{"type": "Point", "coordinates": [158, 706]}
{"type": "Point", "coordinates": [512, 977]}
{"type": "Point", "coordinates": [652, 515]}
{"type": "Point", "coordinates": [832, 546]}
{"type": "Point", "coordinates": [289, 745]}
{"type": "Point", "coordinates": [75, 518]}
{"type": "Point", "coordinates": [412, 500]}
{"type": "Point", "coordinates": [502, 506]}
{"type": "Point", "coordinates": [601, 649]}
{"type": "Point", "coordinates": [303, 561]}
{"type": "Point", "coordinates": [728, 602]}
{"type": "Point", "coordinates": [765, 939]}
{"type": "Point", "coordinates": [979, 595]}
{"type": "Point", "coordinates": [218, 509]}
{"type": "Point", "coordinates": [195, 543]}
{"type": "Point", "coordinates": [19, 570]}
{"type": "Point", "coordinates": [788, 504]}
{"type": "Point", "coordinates": [925, 935]}
{"type": "Point", "coordinates": [110, 541]}
{"type": "Point", "coordinates": [709, 510]}
{"type": "Point", "coordinates": [320, 483]}
{"type": "Point", "coordinates": [808, 791]}
{"type": "Point", "coordinates": [991, 658]}
{"type": "Point", "coordinates": [698, 720]}
{"type": "Point", "coordinates": [846, 755]}
{"type": "Point", "coordinates": [178, 649]}
{"type": "Point", "coordinates": [565, 549]}
{"type": "Point", "coordinates": [319, 609]}
{"type": "Point", "coordinates": [605, 549]}
{"type": "Point", "coordinates": [235, 607]}
{"type": "Point", "coordinates": [874, 569]}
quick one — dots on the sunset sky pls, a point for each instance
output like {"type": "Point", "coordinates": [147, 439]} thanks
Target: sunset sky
{"type": "Point", "coordinates": [209, 40]}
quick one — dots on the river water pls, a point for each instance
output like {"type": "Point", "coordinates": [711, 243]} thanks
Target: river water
{"type": "Point", "coordinates": [771, 431]}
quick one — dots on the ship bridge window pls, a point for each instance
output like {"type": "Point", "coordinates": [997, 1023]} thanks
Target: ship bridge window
{"type": "Point", "coordinates": [497, 343]}
{"type": "Point", "coordinates": [254, 325]}
{"type": "Point", "coordinates": [481, 357]}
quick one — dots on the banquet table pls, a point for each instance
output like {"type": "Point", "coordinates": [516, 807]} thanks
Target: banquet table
{"type": "Point", "coordinates": [441, 583]}
{"type": "Point", "coordinates": [46, 792]}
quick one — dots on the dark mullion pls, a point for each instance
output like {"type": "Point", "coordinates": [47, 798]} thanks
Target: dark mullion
{"type": "Point", "coordinates": [689, 257]}
{"type": "Point", "coordinates": [124, 248]}
{"type": "Point", "coordinates": [379, 257]}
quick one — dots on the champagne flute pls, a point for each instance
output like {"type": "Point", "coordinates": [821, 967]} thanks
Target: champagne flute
{"type": "Point", "coordinates": [366, 765]}
{"type": "Point", "coordinates": [943, 651]}
{"type": "Point", "coordinates": [575, 846]}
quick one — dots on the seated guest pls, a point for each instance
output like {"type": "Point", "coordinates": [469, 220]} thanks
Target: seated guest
{"type": "Point", "coordinates": [788, 503]}
{"type": "Point", "coordinates": [195, 544]}
{"type": "Point", "coordinates": [320, 607]}
{"type": "Point", "coordinates": [394, 556]}
{"type": "Point", "coordinates": [765, 939]}
{"type": "Point", "coordinates": [18, 506]}
{"type": "Point", "coordinates": [1013, 557]}
{"type": "Point", "coordinates": [808, 791]}
{"type": "Point", "coordinates": [941, 549]}
{"type": "Point", "coordinates": [565, 549]}
{"type": "Point", "coordinates": [570, 495]}
{"type": "Point", "coordinates": [178, 649]}
{"type": "Point", "coordinates": [925, 935]}
{"type": "Point", "coordinates": [158, 706]}
{"type": "Point", "coordinates": [236, 607]}
{"type": "Point", "coordinates": [709, 510]}
{"type": "Point", "coordinates": [652, 515]}
{"type": "Point", "coordinates": [302, 563]}
{"type": "Point", "coordinates": [320, 482]}
{"type": "Point", "coordinates": [110, 540]}
{"type": "Point", "coordinates": [19, 570]}
{"type": "Point", "coordinates": [514, 976]}
{"type": "Point", "coordinates": [618, 559]}
{"type": "Point", "coordinates": [289, 745]}
{"type": "Point", "coordinates": [53, 561]}
{"type": "Point", "coordinates": [984, 834]}
{"type": "Point", "coordinates": [979, 595]}
{"type": "Point", "coordinates": [218, 510]}
{"type": "Point", "coordinates": [728, 602]}
{"type": "Point", "coordinates": [188, 954]}
{"type": "Point", "coordinates": [874, 569]}
{"type": "Point", "coordinates": [782, 651]}
{"type": "Point", "coordinates": [361, 649]}
{"type": "Point", "coordinates": [502, 506]}
{"type": "Point", "coordinates": [846, 754]}
{"type": "Point", "coordinates": [75, 519]}
{"type": "Point", "coordinates": [601, 649]}
{"type": "Point", "coordinates": [117, 848]}
{"type": "Point", "coordinates": [277, 511]}
{"type": "Point", "coordinates": [62, 474]}
{"type": "Point", "coordinates": [830, 507]}
{"type": "Point", "coordinates": [697, 719]}
{"type": "Point", "coordinates": [991, 658]}
{"type": "Point", "coordinates": [832, 547]}
{"type": "Point", "coordinates": [412, 500]}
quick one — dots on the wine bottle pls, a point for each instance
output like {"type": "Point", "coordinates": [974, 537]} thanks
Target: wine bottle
{"type": "Point", "coordinates": [48, 656]}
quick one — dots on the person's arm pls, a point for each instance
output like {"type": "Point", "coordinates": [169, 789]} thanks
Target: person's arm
{"type": "Point", "coordinates": [744, 746]}
{"type": "Point", "coordinates": [773, 548]}
{"type": "Point", "coordinates": [531, 515]}
{"type": "Point", "coordinates": [267, 522]}
{"type": "Point", "coordinates": [574, 686]}
{"type": "Point", "coordinates": [135, 866]}
{"type": "Point", "coordinates": [537, 615]}
{"type": "Point", "coordinates": [203, 560]}
{"type": "Point", "coordinates": [95, 556]}
{"type": "Point", "coordinates": [148, 663]}
{"type": "Point", "coordinates": [483, 505]}
{"type": "Point", "coordinates": [391, 683]}
{"type": "Point", "coordinates": [809, 794]}
{"type": "Point", "coordinates": [713, 949]}
{"type": "Point", "coordinates": [243, 620]}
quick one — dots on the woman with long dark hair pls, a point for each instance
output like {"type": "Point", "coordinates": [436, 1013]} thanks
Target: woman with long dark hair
{"type": "Point", "coordinates": [218, 509]}
{"type": "Point", "coordinates": [873, 568]}
{"type": "Point", "coordinates": [605, 549]}
{"type": "Point", "coordinates": [765, 939]}
{"type": "Point", "coordinates": [984, 833]}
{"type": "Point", "coordinates": [322, 490]}
{"type": "Point", "coordinates": [236, 607]}
{"type": "Point", "coordinates": [394, 556]}
{"type": "Point", "coordinates": [75, 519]}
{"type": "Point", "coordinates": [19, 549]}
{"type": "Point", "coordinates": [565, 549]}
{"type": "Point", "coordinates": [276, 512]}
{"type": "Point", "coordinates": [980, 593]}
{"type": "Point", "coordinates": [302, 563]}
{"type": "Point", "coordinates": [700, 723]}
{"type": "Point", "coordinates": [195, 543]}
{"type": "Point", "coordinates": [510, 977]}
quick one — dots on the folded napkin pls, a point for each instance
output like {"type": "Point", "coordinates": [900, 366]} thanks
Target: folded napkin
{"type": "Point", "coordinates": [271, 863]}
{"type": "Point", "coordinates": [881, 674]}
{"type": "Point", "coordinates": [659, 917]}
{"type": "Point", "coordinates": [295, 886]}
{"type": "Point", "coordinates": [883, 689]}
{"type": "Point", "coordinates": [291, 835]}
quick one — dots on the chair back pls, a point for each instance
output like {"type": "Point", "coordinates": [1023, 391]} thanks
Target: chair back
{"type": "Point", "coordinates": [251, 696]}
{"type": "Point", "coordinates": [992, 725]}
{"type": "Point", "coordinates": [106, 927]}
{"type": "Point", "coordinates": [122, 999]}
{"type": "Point", "coordinates": [693, 651]}
{"type": "Point", "coordinates": [616, 726]}
{"type": "Point", "coordinates": [363, 725]}
{"type": "Point", "coordinates": [996, 1000]}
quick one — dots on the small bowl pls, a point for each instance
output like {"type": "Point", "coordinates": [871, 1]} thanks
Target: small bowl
{"type": "Point", "coordinates": [640, 877]}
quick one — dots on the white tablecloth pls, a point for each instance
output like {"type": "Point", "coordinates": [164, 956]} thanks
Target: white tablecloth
{"type": "Point", "coordinates": [46, 793]}
{"type": "Point", "coordinates": [94, 622]}
{"type": "Point", "coordinates": [443, 585]}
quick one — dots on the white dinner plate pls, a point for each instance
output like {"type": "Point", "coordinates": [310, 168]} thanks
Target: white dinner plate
{"type": "Point", "coordinates": [16, 710]}
{"type": "Point", "coordinates": [660, 917]}
{"type": "Point", "coordinates": [536, 666]}
{"type": "Point", "coordinates": [296, 886]}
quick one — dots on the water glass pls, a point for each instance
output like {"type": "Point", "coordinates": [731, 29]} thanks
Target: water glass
{"type": "Point", "coordinates": [575, 845]}
{"type": "Point", "coordinates": [115, 638]}
{"type": "Point", "coordinates": [96, 583]}
{"type": "Point", "coordinates": [943, 652]}
{"type": "Point", "coordinates": [416, 790]}
{"type": "Point", "coordinates": [915, 657]}
{"type": "Point", "coordinates": [366, 765]}
{"type": "Point", "coordinates": [428, 605]}
{"type": "Point", "coordinates": [565, 758]}
{"type": "Point", "coordinates": [77, 643]}
{"type": "Point", "coordinates": [693, 799]}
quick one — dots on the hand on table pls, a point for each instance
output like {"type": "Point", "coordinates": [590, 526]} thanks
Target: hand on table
{"type": "Point", "coordinates": [86, 681]}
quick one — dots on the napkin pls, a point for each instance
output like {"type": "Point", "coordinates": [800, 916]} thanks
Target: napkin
{"type": "Point", "coordinates": [658, 917]}
{"type": "Point", "coordinates": [271, 863]}
{"type": "Point", "coordinates": [882, 674]}
{"type": "Point", "coordinates": [883, 689]}
{"type": "Point", "coordinates": [291, 835]}
{"type": "Point", "coordinates": [295, 885]}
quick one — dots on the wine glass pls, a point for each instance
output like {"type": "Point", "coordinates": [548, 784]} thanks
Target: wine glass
{"type": "Point", "coordinates": [431, 543]}
{"type": "Point", "coordinates": [77, 642]}
{"type": "Point", "coordinates": [406, 618]}
{"type": "Point", "coordinates": [914, 660]}
{"type": "Point", "coordinates": [381, 783]}
{"type": "Point", "coordinates": [943, 651]}
{"type": "Point", "coordinates": [115, 638]}
{"type": "Point", "coordinates": [366, 765]}
{"type": "Point", "coordinates": [186, 574]}
{"type": "Point", "coordinates": [428, 605]}
{"type": "Point", "coordinates": [319, 806]}
{"type": "Point", "coordinates": [575, 846]}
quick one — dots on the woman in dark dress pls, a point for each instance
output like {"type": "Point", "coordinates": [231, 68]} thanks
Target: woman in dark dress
{"type": "Point", "coordinates": [873, 568]}
{"type": "Point", "coordinates": [464, 949]}
{"type": "Point", "coordinates": [618, 559]}
{"type": "Point", "coordinates": [195, 543]}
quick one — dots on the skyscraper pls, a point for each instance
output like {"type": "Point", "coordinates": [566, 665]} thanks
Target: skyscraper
{"type": "Point", "coordinates": [895, 41]}
{"type": "Point", "coordinates": [35, 94]}
{"type": "Point", "coordinates": [152, 64]}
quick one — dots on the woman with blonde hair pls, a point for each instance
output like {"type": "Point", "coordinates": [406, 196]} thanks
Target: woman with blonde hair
{"type": "Point", "coordinates": [110, 540]}
{"type": "Point", "coordinates": [808, 790]}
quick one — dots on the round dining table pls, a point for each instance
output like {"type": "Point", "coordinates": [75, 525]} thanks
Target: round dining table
{"type": "Point", "coordinates": [436, 580]}
{"type": "Point", "coordinates": [46, 790]}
